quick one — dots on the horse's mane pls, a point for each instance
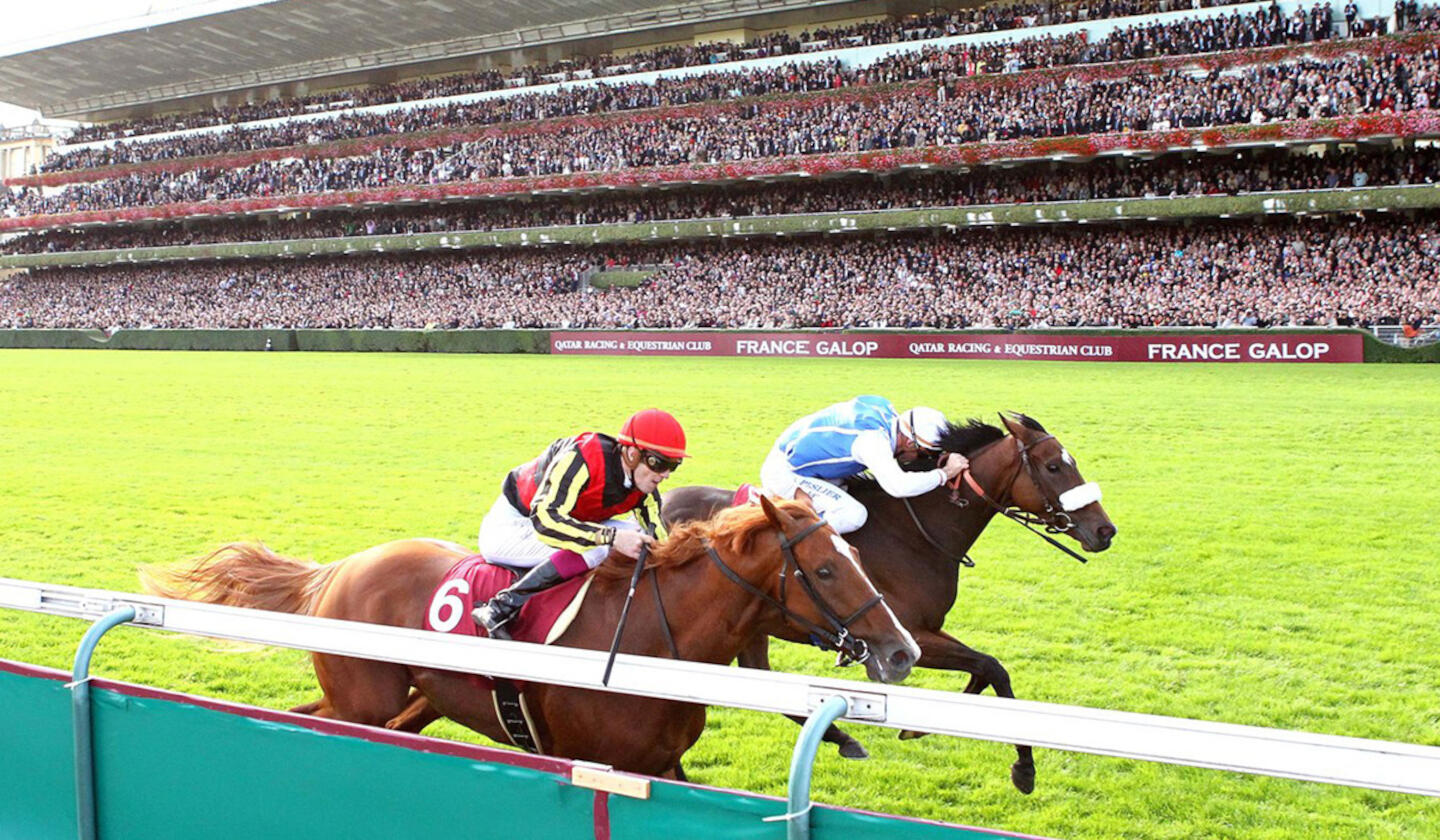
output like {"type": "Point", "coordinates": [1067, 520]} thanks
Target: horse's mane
{"type": "Point", "coordinates": [965, 438]}
{"type": "Point", "coordinates": [732, 530]}
{"type": "Point", "coordinates": [970, 437]}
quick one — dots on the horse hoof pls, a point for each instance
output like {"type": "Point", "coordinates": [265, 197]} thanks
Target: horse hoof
{"type": "Point", "coordinates": [1023, 775]}
{"type": "Point", "coordinates": [910, 734]}
{"type": "Point", "coordinates": [853, 749]}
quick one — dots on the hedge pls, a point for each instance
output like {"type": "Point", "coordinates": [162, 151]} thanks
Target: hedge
{"type": "Point", "coordinates": [1102, 210]}
{"type": "Point", "coordinates": [474, 341]}
{"type": "Point", "coordinates": [407, 341]}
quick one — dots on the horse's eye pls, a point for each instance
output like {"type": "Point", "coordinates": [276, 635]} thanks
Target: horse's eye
{"type": "Point", "coordinates": [824, 573]}
{"type": "Point", "coordinates": [1053, 467]}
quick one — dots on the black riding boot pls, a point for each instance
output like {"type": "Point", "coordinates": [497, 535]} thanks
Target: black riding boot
{"type": "Point", "coordinates": [495, 613]}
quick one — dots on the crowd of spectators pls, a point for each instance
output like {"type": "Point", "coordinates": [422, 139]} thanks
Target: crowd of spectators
{"type": "Point", "coordinates": [1189, 174]}
{"type": "Point", "coordinates": [940, 23]}
{"type": "Point", "coordinates": [1263, 27]}
{"type": "Point", "coordinates": [1048, 107]}
{"type": "Point", "coordinates": [1333, 270]}
{"type": "Point", "coordinates": [1410, 15]}
{"type": "Point", "coordinates": [1337, 270]}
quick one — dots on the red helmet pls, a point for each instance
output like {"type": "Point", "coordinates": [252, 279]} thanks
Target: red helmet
{"type": "Point", "coordinates": [656, 431]}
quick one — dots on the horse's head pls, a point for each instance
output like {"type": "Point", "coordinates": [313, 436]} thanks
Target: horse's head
{"type": "Point", "coordinates": [832, 597]}
{"type": "Point", "coordinates": [1050, 487]}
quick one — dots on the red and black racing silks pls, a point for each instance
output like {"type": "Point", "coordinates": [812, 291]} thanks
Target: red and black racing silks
{"type": "Point", "coordinates": [576, 482]}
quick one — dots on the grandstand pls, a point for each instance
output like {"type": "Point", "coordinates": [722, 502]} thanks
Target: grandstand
{"type": "Point", "coordinates": [907, 151]}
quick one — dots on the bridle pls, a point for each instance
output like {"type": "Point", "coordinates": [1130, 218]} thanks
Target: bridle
{"type": "Point", "coordinates": [837, 636]}
{"type": "Point", "coordinates": [1055, 520]}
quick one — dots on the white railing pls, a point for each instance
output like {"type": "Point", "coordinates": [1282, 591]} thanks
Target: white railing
{"type": "Point", "coordinates": [1333, 759]}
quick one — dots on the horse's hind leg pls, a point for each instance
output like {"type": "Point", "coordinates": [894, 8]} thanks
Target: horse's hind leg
{"type": "Point", "coordinates": [418, 714]}
{"type": "Point", "coordinates": [360, 690]}
{"type": "Point", "coordinates": [940, 650]}
{"type": "Point", "coordinates": [757, 656]}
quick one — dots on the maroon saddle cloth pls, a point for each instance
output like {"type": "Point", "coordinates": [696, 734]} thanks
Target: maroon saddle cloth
{"type": "Point", "coordinates": [473, 581]}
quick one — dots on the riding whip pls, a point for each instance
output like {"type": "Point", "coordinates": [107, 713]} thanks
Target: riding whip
{"type": "Point", "coordinates": [625, 610]}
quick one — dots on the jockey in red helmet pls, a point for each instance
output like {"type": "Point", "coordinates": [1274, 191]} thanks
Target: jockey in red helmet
{"type": "Point", "coordinates": [557, 515]}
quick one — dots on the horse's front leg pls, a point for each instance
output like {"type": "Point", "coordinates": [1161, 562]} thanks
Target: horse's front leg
{"type": "Point", "coordinates": [677, 773]}
{"type": "Point", "coordinates": [757, 655]}
{"type": "Point", "coordinates": [941, 650]}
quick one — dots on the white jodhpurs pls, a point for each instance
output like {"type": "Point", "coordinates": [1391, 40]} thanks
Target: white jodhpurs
{"type": "Point", "coordinates": [508, 537]}
{"type": "Point", "coordinates": [833, 504]}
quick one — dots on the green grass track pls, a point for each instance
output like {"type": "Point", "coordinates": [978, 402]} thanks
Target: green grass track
{"type": "Point", "coordinates": [1276, 562]}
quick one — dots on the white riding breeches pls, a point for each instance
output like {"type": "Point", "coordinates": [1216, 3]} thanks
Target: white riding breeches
{"type": "Point", "coordinates": [508, 537]}
{"type": "Point", "coordinates": [832, 503]}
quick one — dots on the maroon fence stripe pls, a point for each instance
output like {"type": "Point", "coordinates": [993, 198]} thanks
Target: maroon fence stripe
{"type": "Point", "coordinates": [602, 815]}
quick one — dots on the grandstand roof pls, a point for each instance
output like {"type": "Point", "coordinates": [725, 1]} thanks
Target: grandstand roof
{"type": "Point", "coordinates": [291, 40]}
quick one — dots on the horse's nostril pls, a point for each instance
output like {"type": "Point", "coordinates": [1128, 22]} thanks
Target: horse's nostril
{"type": "Point", "coordinates": [1106, 532]}
{"type": "Point", "coordinates": [900, 658]}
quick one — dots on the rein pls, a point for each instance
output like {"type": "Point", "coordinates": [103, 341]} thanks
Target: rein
{"type": "Point", "coordinates": [962, 559]}
{"type": "Point", "coordinates": [837, 637]}
{"type": "Point", "coordinates": [851, 649]}
{"type": "Point", "coordinates": [1055, 521]}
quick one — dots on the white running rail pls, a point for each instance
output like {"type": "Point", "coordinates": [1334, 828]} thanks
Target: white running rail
{"type": "Point", "coordinates": [1354, 762]}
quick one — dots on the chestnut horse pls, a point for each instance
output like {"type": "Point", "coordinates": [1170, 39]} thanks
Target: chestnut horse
{"type": "Point", "coordinates": [714, 616]}
{"type": "Point", "coordinates": [913, 548]}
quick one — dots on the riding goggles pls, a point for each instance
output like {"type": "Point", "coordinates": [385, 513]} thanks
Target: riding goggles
{"type": "Point", "coordinates": [657, 462]}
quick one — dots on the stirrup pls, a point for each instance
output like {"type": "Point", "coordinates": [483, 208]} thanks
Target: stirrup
{"type": "Point", "coordinates": [484, 615]}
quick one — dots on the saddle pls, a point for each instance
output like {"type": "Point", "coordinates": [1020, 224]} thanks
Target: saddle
{"type": "Point", "coordinates": [542, 620]}
{"type": "Point", "coordinates": [473, 581]}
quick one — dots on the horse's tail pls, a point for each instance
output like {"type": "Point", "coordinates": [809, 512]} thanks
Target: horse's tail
{"type": "Point", "coordinates": [242, 575]}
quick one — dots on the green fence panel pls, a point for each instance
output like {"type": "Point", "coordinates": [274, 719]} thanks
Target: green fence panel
{"type": "Point", "coordinates": [676, 811]}
{"type": "Point", "coordinates": [169, 767]}
{"type": "Point", "coordinates": [174, 771]}
{"type": "Point", "coordinates": [37, 764]}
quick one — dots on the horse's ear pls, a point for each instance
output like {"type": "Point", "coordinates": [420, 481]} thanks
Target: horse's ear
{"type": "Point", "coordinates": [1016, 428]}
{"type": "Point", "coordinates": [805, 498]}
{"type": "Point", "coordinates": [772, 513]}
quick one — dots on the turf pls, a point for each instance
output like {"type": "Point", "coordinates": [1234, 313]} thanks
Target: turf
{"type": "Point", "coordinates": [1275, 563]}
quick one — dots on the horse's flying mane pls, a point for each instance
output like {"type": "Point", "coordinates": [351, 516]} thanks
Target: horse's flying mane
{"type": "Point", "coordinates": [969, 437]}
{"type": "Point", "coordinates": [733, 529]}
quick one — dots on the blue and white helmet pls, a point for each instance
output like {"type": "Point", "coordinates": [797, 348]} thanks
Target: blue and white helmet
{"type": "Point", "coordinates": [925, 426]}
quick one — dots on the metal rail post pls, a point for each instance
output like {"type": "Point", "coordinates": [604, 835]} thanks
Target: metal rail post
{"type": "Point", "coordinates": [80, 716]}
{"type": "Point", "coordinates": [802, 763]}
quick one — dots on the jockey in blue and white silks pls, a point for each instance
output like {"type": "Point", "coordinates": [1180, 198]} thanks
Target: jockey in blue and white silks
{"type": "Point", "coordinates": [848, 438]}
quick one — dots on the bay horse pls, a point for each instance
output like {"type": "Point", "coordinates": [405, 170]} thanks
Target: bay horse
{"type": "Point", "coordinates": [711, 614]}
{"type": "Point", "coordinates": [913, 548]}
